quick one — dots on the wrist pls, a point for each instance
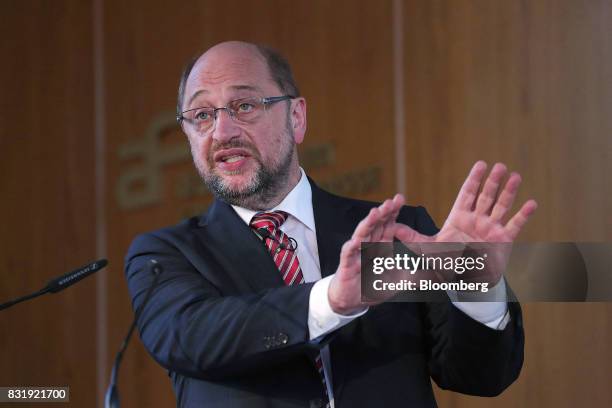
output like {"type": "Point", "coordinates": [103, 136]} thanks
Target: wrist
{"type": "Point", "coordinates": [344, 308]}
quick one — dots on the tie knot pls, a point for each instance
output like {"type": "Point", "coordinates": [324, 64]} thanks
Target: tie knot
{"type": "Point", "coordinates": [269, 220]}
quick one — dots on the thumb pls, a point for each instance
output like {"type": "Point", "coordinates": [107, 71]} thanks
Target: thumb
{"type": "Point", "coordinates": [407, 235]}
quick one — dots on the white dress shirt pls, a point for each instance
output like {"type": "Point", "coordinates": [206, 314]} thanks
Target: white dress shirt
{"type": "Point", "coordinates": [300, 225]}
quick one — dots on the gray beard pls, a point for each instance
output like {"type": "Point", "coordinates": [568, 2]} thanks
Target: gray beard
{"type": "Point", "coordinates": [268, 183]}
{"type": "Point", "coordinates": [262, 191]}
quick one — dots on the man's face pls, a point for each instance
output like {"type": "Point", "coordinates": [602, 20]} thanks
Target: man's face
{"type": "Point", "coordinates": [247, 165]}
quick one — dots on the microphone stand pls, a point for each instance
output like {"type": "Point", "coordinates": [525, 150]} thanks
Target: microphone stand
{"type": "Point", "coordinates": [111, 398]}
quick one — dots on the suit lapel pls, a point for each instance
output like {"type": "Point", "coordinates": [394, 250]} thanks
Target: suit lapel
{"type": "Point", "coordinates": [336, 220]}
{"type": "Point", "coordinates": [334, 227]}
{"type": "Point", "coordinates": [248, 260]}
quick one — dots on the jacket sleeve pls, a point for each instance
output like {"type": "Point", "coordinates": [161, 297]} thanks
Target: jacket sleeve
{"type": "Point", "coordinates": [465, 355]}
{"type": "Point", "coordinates": [469, 357]}
{"type": "Point", "coordinates": [189, 328]}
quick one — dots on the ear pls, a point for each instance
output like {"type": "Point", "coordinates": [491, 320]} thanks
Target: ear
{"type": "Point", "coordinates": [298, 119]}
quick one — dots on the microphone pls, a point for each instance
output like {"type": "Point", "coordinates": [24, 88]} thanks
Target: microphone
{"type": "Point", "coordinates": [61, 282]}
{"type": "Point", "coordinates": [265, 234]}
{"type": "Point", "coordinates": [111, 398]}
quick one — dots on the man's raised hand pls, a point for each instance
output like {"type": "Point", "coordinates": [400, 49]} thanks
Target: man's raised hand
{"type": "Point", "coordinates": [478, 217]}
{"type": "Point", "coordinates": [344, 292]}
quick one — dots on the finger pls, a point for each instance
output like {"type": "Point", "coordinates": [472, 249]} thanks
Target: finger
{"type": "Point", "coordinates": [389, 210]}
{"type": "Point", "coordinates": [365, 228]}
{"type": "Point", "coordinates": [469, 190]}
{"type": "Point", "coordinates": [519, 220]}
{"type": "Point", "coordinates": [407, 235]}
{"type": "Point", "coordinates": [352, 247]}
{"type": "Point", "coordinates": [487, 196]}
{"type": "Point", "coordinates": [388, 232]}
{"type": "Point", "coordinates": [398, 202]}
{"type": "Point", "coordinates": [350, 255]}
{"type": "Point", "coordinates": [506, 198]}
{"type": "Point", "coordinates": [384, 210]}
{"type": "Point", "coordinates": [350, 260]}
{"type": "Point", "coordinates": [371, 228]}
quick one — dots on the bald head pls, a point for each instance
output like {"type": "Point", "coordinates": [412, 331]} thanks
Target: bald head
{"type": "Point", "coordinates": [241, 56]}
{"type": "Point", "coordinates": [230, 49]}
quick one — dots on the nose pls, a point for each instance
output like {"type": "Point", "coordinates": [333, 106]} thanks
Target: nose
{"type": "Point", "coordinates": [225, 128]}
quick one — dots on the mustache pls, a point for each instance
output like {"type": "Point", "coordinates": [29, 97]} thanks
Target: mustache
{"type": "Point", "coordinates": [233, 143]}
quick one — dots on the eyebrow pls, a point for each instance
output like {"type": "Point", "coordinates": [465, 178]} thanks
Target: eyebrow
{"type": "Point", "coordinates": [233, 87]}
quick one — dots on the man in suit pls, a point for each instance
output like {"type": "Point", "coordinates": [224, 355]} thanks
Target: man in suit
{"type": "Point", "coordinates": [243, 316]}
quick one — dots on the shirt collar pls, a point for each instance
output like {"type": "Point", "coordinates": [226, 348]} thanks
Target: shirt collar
{"type": "Point", "coordinates": [298, 203]}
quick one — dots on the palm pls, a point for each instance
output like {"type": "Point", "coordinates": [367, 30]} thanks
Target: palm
{"type": "Point", "coordinates": [478, 217]}
{"type": "Point", "coordinates": [344, 292]}
{"type": "Point", "coordinates": [468, 226]}
{"type": "Point", "coordinates": [474, 218]}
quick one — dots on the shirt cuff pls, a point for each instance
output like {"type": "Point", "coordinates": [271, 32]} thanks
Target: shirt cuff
{"type": "Point", "coordinates": [321, 318]}
{"type": "Point", "coordinates": [492, 314]}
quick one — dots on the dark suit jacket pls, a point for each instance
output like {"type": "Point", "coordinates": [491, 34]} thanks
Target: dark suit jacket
{"type": "Point", "coordinates": [231, 334]}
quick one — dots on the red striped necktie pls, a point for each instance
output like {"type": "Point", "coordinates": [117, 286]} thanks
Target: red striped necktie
{"type": "Point", "coordinates": [285, 257]}
{"type": "Point", "coordinates": [278, 244]}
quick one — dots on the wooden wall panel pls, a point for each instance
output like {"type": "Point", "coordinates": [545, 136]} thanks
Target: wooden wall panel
{"type": "Point", "coordinates": [46, 175]}
{"type": "Point", "coordinates": [529, 84]}
{"type": "Point", "coordinates": [341, 53]}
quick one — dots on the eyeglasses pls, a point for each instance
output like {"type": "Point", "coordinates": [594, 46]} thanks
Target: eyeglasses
{"type": "Point", "coordinates": [244, 111]}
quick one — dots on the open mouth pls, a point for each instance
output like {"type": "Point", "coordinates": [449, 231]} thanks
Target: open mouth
{"type": "Point", "coordinates": [231, 159]}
